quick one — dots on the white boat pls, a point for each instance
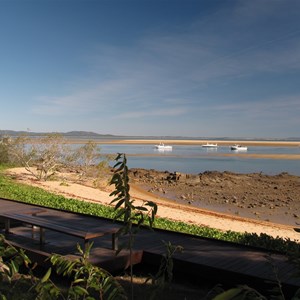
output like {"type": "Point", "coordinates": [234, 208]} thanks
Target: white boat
{"type": "Point", "coordinates": [162, 146]}
{"type": "Point", "coordinates": [238, 148]}
{"type": "Point", "coordinates": [208, 145]}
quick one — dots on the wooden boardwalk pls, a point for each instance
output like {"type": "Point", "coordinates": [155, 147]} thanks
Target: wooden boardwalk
{"type": "Point", "coordinates": [211, 259]}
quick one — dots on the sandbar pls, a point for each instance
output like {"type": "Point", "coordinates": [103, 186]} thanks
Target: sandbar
{"type": "Point", "coordinates": [189, 142]}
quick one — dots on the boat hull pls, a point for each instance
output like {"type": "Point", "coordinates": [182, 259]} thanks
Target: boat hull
{"type": "Point", "coordinates": [238, 148]}
{"type": "Point", "coordinates": [210, 146]}
{"type": "Point", "coordinates": [163, 147]}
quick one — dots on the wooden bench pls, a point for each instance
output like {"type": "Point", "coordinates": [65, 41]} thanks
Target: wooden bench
{"type": "Point", "coordinates": [44, 223]}
{"type": "Point", "coordinates": [28, 211]}
{"type": "Point", "coordinates": [34, 211]}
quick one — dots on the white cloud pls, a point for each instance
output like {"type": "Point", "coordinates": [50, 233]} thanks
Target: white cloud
{"type": "Point", "coordinates": [164, 74]}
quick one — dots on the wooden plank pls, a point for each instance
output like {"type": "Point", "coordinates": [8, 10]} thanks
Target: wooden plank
{"type": "Point", "coordinates": [48, 224]}
{"type": "Point", "coordinates": [200, 255]}
{"type": "Point", "coordinates": [51, 225]}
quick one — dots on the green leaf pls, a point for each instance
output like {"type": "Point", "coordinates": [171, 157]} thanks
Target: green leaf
{"type": "Point", "coordinates": [78, 280]}
{"type": "Point", "coordinates": [14, 267]}
{"type": "Point", "coordinates": [80, 290]}
{"type": "Point", "coordinates": [141, 208]}
{"type": "Point", "coordinates": [46, 276]}
{"type": "Point", "coordinates": [230, 294]}
{"type": "Point", "coordinates": [119, 204]}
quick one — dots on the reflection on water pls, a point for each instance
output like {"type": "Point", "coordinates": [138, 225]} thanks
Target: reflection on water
{"type": "Point", "coordinates": [162, 151]}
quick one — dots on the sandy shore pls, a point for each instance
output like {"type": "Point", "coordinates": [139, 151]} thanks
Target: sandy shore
{"type": "Point", "coordinates": [190, 142]}
{"type": "Point", "coordinates": [219, 142]}
{"type": "Point", "coordinates": [166, 208]}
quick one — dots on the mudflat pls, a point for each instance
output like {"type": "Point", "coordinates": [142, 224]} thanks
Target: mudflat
{"type": "Point", "coordinates": [257, 196]}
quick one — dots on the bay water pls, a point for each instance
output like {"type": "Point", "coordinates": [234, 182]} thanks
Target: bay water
{"type": "Point", "coordinates": [196, 159]}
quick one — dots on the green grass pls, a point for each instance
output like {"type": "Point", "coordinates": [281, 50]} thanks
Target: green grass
{"type": "Point", "coordinates": [33, 195]}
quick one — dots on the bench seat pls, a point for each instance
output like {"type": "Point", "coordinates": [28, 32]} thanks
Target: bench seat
{"type": "Point", "coordinates": [44, 223]}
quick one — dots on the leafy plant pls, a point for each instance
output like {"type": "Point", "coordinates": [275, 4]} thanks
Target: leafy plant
{"type": "Point", "coordinates": [246, 292]}
{"type": "Point", "coordinates": [10, 260]}
{"type": "Point", "coordinates": [17, 285]}
{"type": "Point", "coordinates": [4, 149]}
{"type": "Point", "coordinates": [133, 216]}
{"type": "Point", "coordinates": [164, 275]}
{"type": "Point", "coordinates": [87, 281]}
{"type": "Point", "coordinates": [240, 293]}
{"type": "Point", "coordinates": [40, 157]}
{"type": "Point", "coordinates": [277, 289]}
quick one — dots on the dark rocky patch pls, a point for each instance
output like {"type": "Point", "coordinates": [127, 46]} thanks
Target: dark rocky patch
{"type": "Point", "coordinates": [255, 195]}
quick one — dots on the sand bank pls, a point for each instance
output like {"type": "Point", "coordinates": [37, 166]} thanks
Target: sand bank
{"type": "Point", "coordinates": [191, 142]}
{"type": "Point", "coordinates": [202, 142]}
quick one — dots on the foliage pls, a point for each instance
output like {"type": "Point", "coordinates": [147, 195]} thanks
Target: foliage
{"type": "Point", "coordinates": [86, 156]}
{"type": "Point", "coordinates": [246, 292]}
{"type": "Point", "coordinates": [240, 293]}
{"type": "Point", "coordinates": [22, 286]}
{"type": "Point", "coordinates": [164, 275]}
{"type": "Point", "coordinates": [37, 196]}
{"type": "Point", "coordinates": [127, 211]}
{"type": "Point", "coordinates": [90, 163]}
{"type": "Point", "coordinates": [88, 281]}
{"type": "Point", "coordinates": [125, 206]}
{"type": "Point", "coordinates": [4, 149]}
{"type": "Point", "coordinates": [40, 157]}
{"type": "Point", "coordinates": [10, 261]}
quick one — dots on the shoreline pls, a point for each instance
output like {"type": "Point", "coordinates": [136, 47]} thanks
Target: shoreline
{"type": "Point", "coordinates": [166, 208]}
{"type": "Point", "coordinates": [188, 142]}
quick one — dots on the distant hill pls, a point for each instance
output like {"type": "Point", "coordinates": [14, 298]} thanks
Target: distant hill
{"type": "Point", "coordinates": [85, 134]}
{"type": "Point", "coordinates": [94, 135]}
{"type": "Point", "coordinates": [66, 134]}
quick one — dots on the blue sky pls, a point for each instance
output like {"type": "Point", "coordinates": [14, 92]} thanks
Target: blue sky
{"type": "Point", "coordinates": [202, 68]}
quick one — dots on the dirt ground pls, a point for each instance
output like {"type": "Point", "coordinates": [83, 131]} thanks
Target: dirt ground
{"type": "Point", "coordinates": [257, 196]}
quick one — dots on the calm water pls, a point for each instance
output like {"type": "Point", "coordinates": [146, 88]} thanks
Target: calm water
{"type": "Point", "coordinates": [195, 159]}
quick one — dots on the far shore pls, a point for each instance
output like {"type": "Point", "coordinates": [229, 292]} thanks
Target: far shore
{"type": "Point", "coordinates": [189, 142]}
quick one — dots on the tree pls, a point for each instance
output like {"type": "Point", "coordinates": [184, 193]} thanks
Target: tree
{"type": "Point", "coordinates": [4, 149]}
{"type": "Point", "coordinates": [133, 216]}
{"type": "Point", "coordinates": [41, 157]}
{"type": "Point", "coordinates": [86, 156]}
